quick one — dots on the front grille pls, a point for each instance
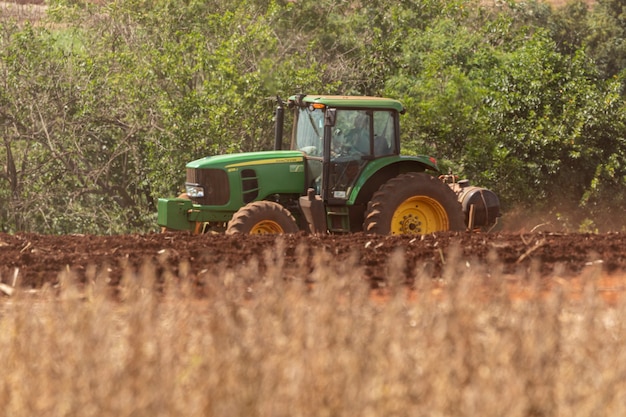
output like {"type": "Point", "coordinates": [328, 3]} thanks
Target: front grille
{"type": "Point", "coordinates": [215, 183]}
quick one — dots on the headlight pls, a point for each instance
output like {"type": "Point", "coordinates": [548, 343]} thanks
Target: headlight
{"type": "Point", "coordinates": [194, 190]}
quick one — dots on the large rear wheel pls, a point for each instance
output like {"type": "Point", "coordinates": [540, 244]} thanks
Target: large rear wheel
{"type": "Point", "coordinates": [262, 217]}
{"type": "Point", "coordinates": [413, 203]}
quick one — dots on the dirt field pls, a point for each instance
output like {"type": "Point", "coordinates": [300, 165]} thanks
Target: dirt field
{"type": "Point", "coordinates": [30, 260]}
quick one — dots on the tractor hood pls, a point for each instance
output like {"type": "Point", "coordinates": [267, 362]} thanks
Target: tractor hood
{"type": "Point", "coordinates": [239, 161]}
{"type": "Point", "coordinates": [225, 183]}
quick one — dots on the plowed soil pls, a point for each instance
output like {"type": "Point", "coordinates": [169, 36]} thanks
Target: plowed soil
{"type": "Point", "coordinates": [31, 260]}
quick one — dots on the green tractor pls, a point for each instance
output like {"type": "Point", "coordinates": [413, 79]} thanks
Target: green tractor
{"type": "Point", "coordinates": [343, 174]}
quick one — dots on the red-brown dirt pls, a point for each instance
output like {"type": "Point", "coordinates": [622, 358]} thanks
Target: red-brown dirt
{"type": "Point", "coordinates": [31, 260]}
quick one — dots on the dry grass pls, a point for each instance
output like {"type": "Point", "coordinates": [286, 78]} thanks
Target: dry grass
{"type": "Point", "coordinates": [260, 346]}
{"type": "Point", "coordinates": [22, 11]}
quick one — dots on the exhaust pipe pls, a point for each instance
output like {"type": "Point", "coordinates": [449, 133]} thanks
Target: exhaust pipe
{"type": "Point", "coordinates": [279, 120]}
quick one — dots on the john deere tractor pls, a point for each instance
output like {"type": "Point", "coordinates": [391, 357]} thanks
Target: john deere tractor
{"type": "Point", "coordinates": [343, 174]}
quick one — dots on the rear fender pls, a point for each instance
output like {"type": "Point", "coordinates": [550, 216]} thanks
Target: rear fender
{"type": "Point", "coordinates": [380, 170]}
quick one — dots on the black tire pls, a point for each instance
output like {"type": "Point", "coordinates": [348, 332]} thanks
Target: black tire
{"type": "Point", "coordinates": [262, 217]}
{"type": "Point", "coordinates": [413, 203]}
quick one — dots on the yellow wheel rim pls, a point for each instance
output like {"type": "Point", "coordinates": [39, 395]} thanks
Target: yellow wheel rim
{"type": "Point", "coordinates": [266, 227]}
{"type": "Point", "coordinates": [419, 215]}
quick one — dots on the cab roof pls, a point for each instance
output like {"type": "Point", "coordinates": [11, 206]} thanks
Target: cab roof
{"type": "Point", "coordinates": [348, 101]}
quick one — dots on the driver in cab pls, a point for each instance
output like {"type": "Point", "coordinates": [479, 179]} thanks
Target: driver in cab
{"type": "Point", "coordinates": [357, 141]}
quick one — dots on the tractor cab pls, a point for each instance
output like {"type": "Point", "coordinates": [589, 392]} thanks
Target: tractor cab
{"type": "Point", "coordinates": [340, 136]}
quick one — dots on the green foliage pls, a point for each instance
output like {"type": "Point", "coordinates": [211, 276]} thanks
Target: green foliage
{"type": "Point", "coordinates": [516, 114]}
{"type": "Point", "coordinates": [153, 90]}
{"type": "Point", "coordinates": [101, 105]}
{"type": "Point", "coordinates": [607, 39]}
{"type": "Point", "coordinates": [434, 82]}
{"type": "Point", "coordinates": [569, 26]}
{"type": "Point", "coordinates": [67, 130]}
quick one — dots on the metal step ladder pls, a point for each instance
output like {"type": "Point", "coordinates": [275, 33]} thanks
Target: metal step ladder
{"type": "Point", "coordinates": [338, 219]}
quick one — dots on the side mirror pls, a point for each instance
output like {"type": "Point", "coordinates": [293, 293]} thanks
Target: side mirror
{"type": "Point", "coordinates": [330, 117]}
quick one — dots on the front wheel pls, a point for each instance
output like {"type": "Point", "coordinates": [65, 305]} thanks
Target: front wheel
{"type": "Point", "coordinates": [262, 217]}
{"type": "Point", "coordinates": [413, 203]}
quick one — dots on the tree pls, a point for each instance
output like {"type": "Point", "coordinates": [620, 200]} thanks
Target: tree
{"type": "Point", "coordinates": [607, 40]}
{"type": "Point", "coordinates": [123, 95]}
{"type": "Point", "coordinates": [569, 26]}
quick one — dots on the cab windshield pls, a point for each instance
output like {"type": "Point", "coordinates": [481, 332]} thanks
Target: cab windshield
{"type": "Point", "coordinates": [310, 131]}
{"type": "Point", "coordinates": [356, 132]}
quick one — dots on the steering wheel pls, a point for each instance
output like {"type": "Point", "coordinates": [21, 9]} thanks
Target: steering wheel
{"type": "Point", "coordinates": [344, 147]}
{"type": "Point", "coordinates": [309, 150]}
